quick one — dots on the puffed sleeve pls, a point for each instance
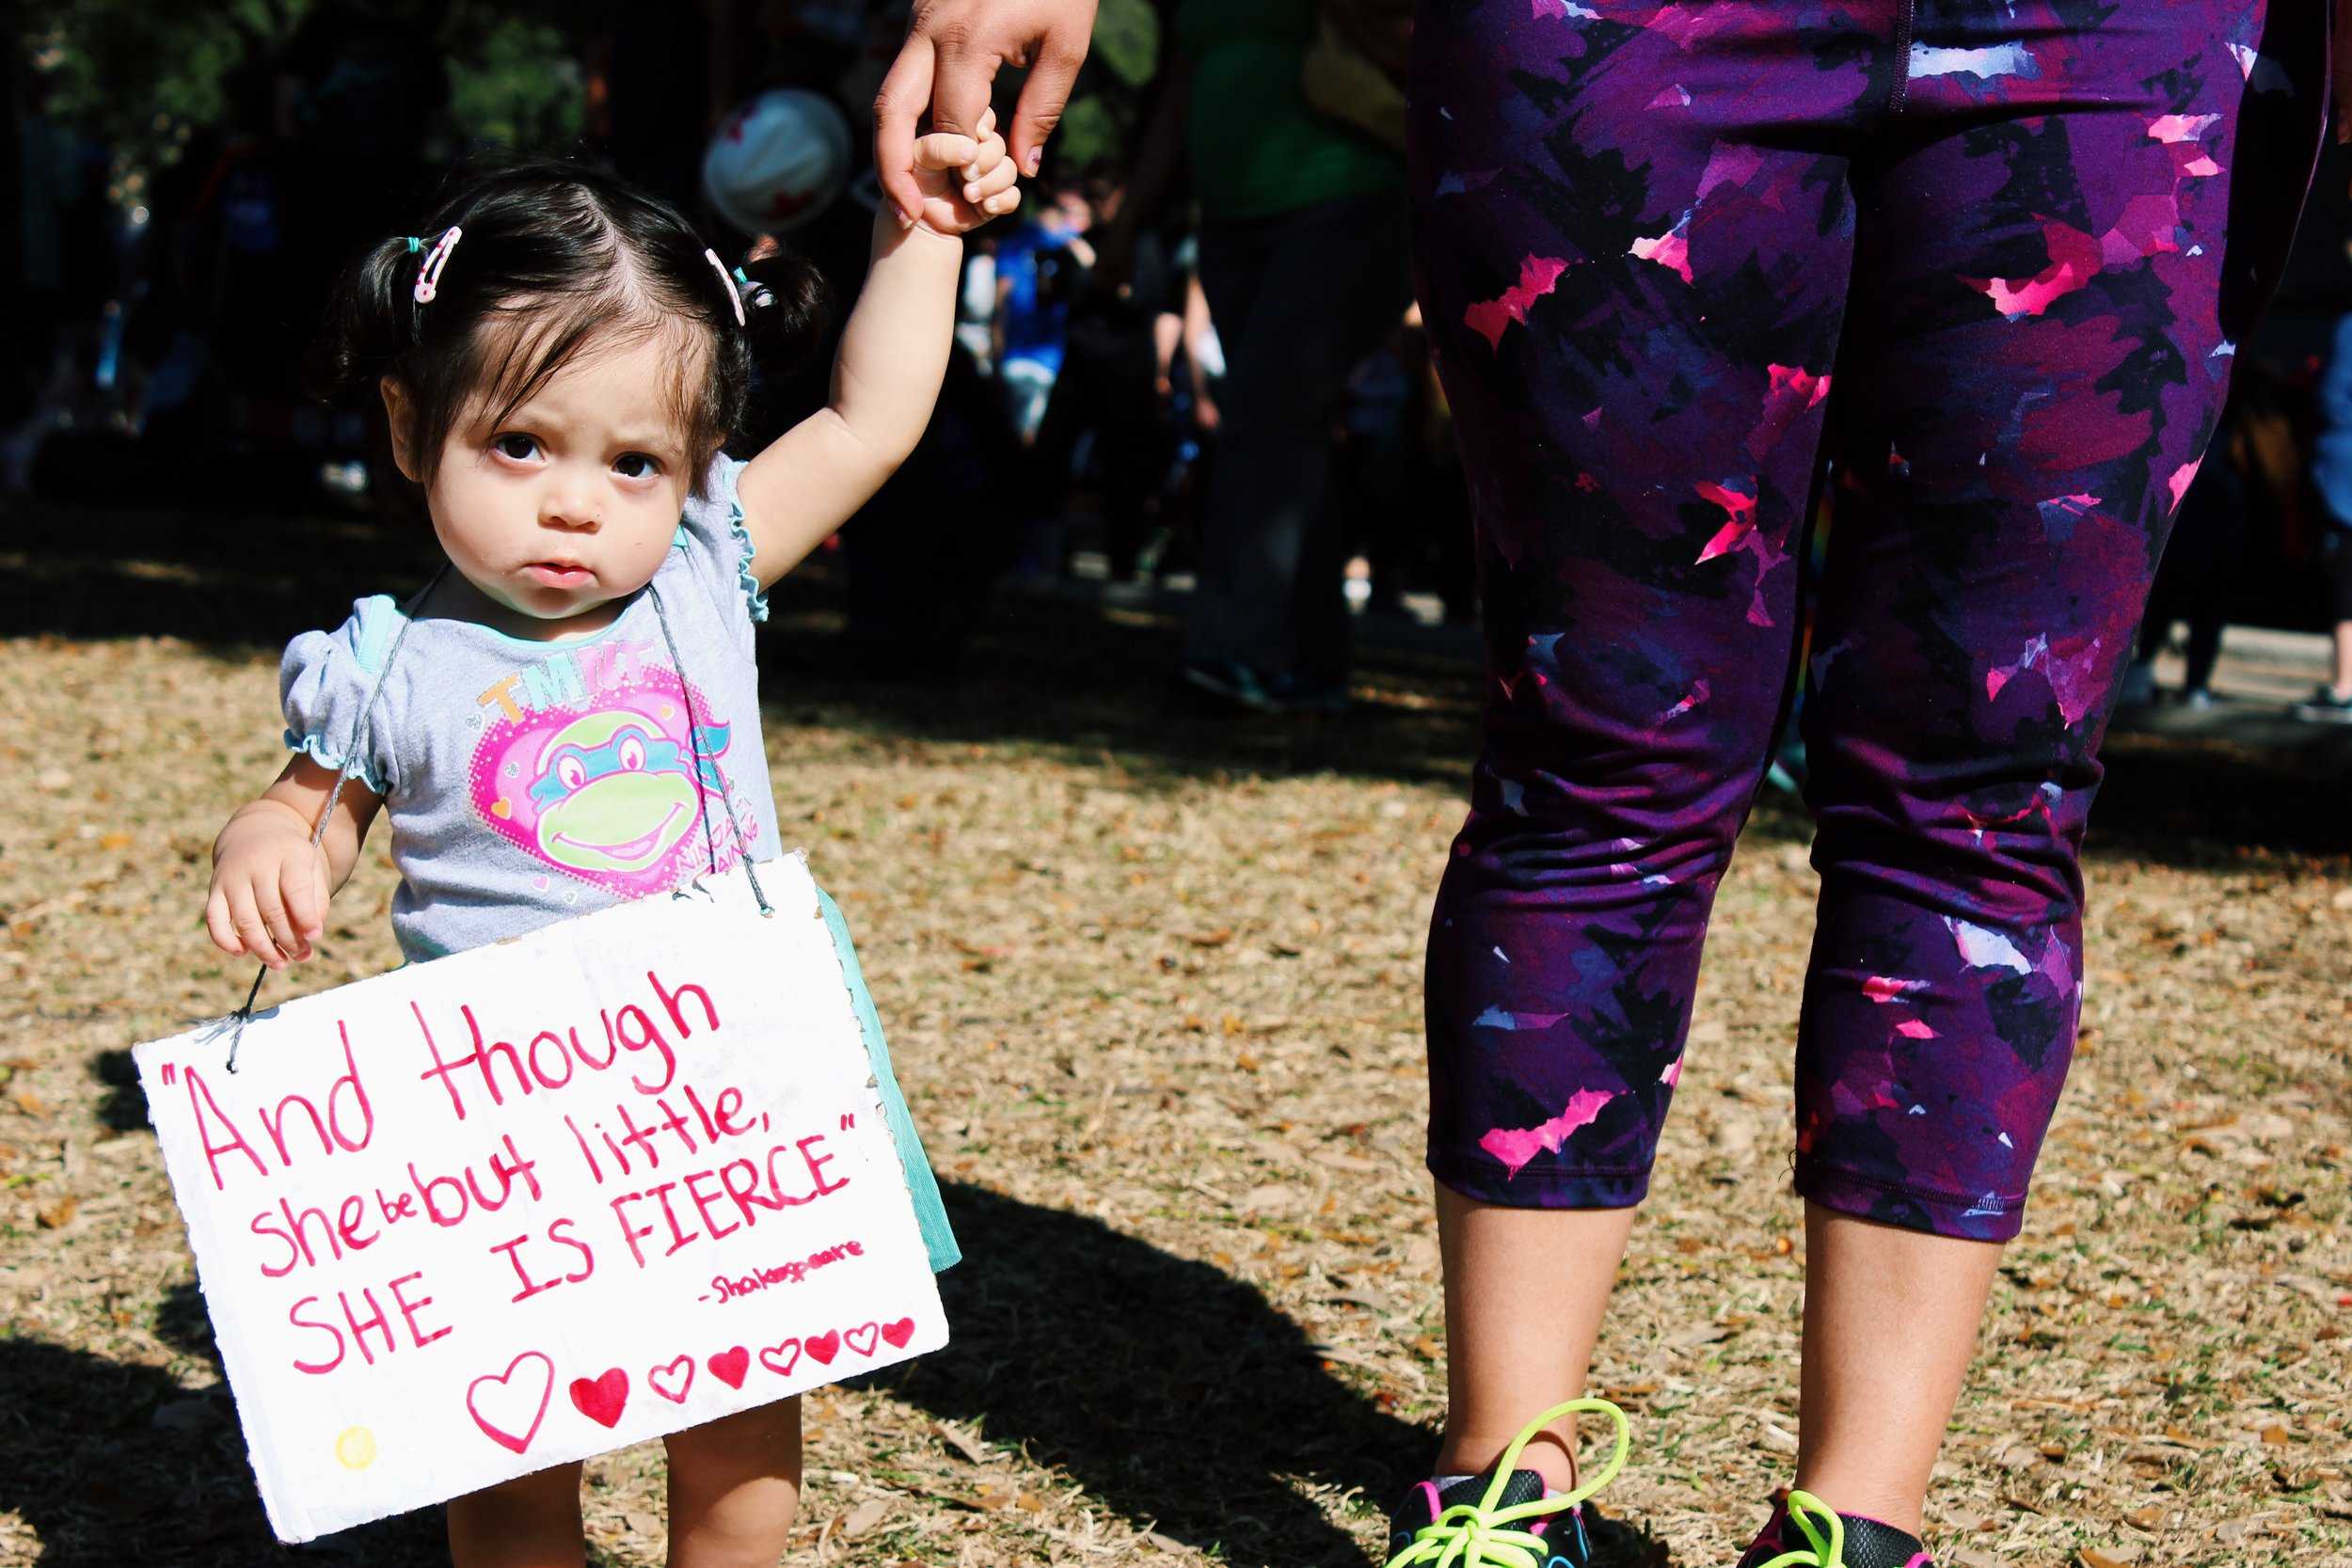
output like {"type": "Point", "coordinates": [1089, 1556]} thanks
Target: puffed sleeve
{"type": "Point", "coordinates": [324, 683]}
{"type": "Point", "coordinates": [719, 547]}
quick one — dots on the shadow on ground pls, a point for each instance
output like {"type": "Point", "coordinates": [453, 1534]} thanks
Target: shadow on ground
{"type": "Point", "coordinates": [111, 1464]}
{"type": "Point", "coordinates": [1173, 1393]}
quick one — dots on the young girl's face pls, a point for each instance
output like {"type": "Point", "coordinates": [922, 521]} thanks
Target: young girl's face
{"type": "Point", "coordinates": [572, 501]}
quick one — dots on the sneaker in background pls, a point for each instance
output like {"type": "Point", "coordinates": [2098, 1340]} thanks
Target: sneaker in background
{"type": "Point", "coordinates": [2139, 685]}
{"type": "Point", "coordinates": [2325, 705]}
{"type": "Point", "coordinates": [1240, 686]}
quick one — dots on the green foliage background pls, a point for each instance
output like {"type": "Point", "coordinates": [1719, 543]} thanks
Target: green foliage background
{"type": "Point", "coordinates": [1101, 119]}
{"type": "Point", "coordinates": [141, 76]}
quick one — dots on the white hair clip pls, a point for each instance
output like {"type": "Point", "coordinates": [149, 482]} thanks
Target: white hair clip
{"type": "Point", "coordinates": [734, 296]}
{"type": "Point", "coordinates": [429, 275]}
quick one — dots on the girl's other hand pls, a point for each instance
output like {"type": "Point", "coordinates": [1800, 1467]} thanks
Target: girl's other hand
{"type": "Point", "coordinates": [270, 888]}
{"type": "Point", "coordinates": [965, 181]}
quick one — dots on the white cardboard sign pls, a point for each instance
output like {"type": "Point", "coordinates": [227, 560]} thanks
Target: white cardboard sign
{"type": "Point", "coordinates": [534, 1202]}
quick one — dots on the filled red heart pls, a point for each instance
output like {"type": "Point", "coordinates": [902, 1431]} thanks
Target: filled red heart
{"type": "Point", "coordinates": [898, 1333]}
{"type": "Point", "coordinates": [601, 1399]}
{"type": "Point", "coordinates": [730, 1365]}
{"type": "Point", "coordinates": [823, 1347]}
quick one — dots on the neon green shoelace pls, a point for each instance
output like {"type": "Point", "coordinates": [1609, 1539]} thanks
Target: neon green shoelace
{"type": "Point", "coordinates": [1480, 1535]}
{"type": "Point", "coordinates": [1828, 1544]}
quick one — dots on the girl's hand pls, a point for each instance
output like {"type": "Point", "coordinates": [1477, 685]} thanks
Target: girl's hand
{"type": "Point", "coordinates": [270, 887]}
{"type": "Point", "coordinates": [965, 181]}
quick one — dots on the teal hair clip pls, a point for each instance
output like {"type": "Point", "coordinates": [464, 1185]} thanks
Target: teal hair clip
{"type": "Point", "coordinates": [415, 245]}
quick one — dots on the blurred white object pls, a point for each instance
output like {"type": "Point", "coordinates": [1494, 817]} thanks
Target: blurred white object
{"type": "Point", "coordinates": [777, 161]}
{"type": "Point", "coordinates": [1210, 352]}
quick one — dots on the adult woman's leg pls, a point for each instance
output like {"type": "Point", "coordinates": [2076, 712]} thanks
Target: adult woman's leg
{"type": "Point", "coordinates": [2057, 257]}
{"type": "Point", "coordinates": [1632, 235]}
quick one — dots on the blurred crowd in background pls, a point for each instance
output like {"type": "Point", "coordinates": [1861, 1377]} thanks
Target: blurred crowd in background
{"type": "Point", "coordinates": [1189, 361]}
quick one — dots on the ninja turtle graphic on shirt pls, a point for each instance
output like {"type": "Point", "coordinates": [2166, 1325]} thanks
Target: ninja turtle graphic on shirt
{"type": "Point", "coordinates": [611, 789]}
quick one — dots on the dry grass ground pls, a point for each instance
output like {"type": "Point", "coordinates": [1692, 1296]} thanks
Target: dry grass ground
{"type": "Point", "coordinates": [1153, 985]}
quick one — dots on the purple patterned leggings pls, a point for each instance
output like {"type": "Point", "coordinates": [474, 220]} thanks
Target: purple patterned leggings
{"type": "Point", "coordinates": [1991, 256]}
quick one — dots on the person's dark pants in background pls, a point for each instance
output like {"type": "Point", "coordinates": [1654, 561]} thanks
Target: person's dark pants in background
{"type": "Point", "coordinates": [2202, 563]}
{"type": "Point", "coordinates": [1106, 386]}
{"type": "Point", "coordinates": [1297, 298]}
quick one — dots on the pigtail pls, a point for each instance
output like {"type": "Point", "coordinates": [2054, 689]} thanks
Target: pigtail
{"type": "Point", "coordinates": [786, 309]}
{"type": "Point", "coordinates": [371, 322]}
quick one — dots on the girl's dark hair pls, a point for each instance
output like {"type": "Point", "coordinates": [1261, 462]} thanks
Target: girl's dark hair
{"type": "Point", "coordinates": [556, 257]}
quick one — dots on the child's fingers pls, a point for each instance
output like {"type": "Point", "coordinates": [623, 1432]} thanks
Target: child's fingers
{"type": "Point", "coordinates": [252, 934]}
{"type": "Point", "coordinates": [986, 155]}
{"type": "Point", "coordinates": [307, 894]}
{"type": "Point", "coordinates": [988, 147]}
{"type": "Point", "coordinates": [272, 906]}
{"type": "Point", "coordinates": [1000, 178]}
{"type": "Point", "coordinates": [944, 149]}
{"type": "Point", "coordinates": [217, 924]}
{"type": "Point", "coordinates": [1002, 202]}
{"type": "Point", "coordinates": [298, 890]}
{"type": "Point", "coordinates": [276, 941]}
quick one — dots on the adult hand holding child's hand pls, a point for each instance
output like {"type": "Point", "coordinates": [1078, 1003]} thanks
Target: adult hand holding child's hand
{"type": "Point", "coordinates": [963, 181]}
{"type": "Point", "coordinates": [949, 63]}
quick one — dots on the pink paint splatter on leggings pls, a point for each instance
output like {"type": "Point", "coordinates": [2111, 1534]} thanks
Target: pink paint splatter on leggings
{"type": "Point", "coordinates": [2074, 257]}
{"type": "Point", "coordinates": [1516, 1146]}
{"type": "Point", "coordinates": [1538, 276]}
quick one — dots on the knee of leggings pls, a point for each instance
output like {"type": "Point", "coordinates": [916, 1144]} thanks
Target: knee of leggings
{"type": "Point", "coordinates": [2006, 822]}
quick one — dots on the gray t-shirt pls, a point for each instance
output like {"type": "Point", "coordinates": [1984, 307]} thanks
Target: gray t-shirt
{"type": "Point", "coordinates": [524, 782]}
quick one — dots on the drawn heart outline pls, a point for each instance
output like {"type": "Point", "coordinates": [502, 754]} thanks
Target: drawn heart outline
{"type": "Point", "coordinates": [781, 1358]}
{"type": "Point", "coordinates": [601, 1398]}
{"type": "Point", "coordinates": [728, 1366]}
{"type": "Point", "coordinates": [823, 1347]}
{"type": "Point", "coordinates": [680, 1370]}
{"type": "Point", "coordinates": [852, 1336]}
{"type": "Point", "coordinates": [898, 1333]}
{"type": "Point", "coordinates": [498, 1435]}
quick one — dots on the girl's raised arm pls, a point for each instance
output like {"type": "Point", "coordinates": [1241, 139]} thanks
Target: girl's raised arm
{"type": "Point", "coordinates": [894, 354]}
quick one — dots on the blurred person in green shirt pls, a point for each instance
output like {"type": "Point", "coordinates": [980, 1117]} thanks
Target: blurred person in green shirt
{"type": "Point", "coordinates": [1303, 261]}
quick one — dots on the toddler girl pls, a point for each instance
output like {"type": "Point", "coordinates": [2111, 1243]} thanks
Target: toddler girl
{"type": "Point", "coordinates": [568, 716]}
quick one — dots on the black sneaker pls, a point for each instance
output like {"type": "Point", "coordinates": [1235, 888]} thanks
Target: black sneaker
{"type": "Point", "coordinates": [1502, 1518]}
{"type": "Point", "coordinates": [1240, 686]}
{"type": "Point", "coordinates": [2323, 707]}
{"type": "Point", "coordinates": [1804, 1532]}
{"type": "Point", "coordinates": [1419, 1530]}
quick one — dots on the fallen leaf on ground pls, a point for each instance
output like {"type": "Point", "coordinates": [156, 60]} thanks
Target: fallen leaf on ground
{"type": "Point", "coordinates": [962, 1441]}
